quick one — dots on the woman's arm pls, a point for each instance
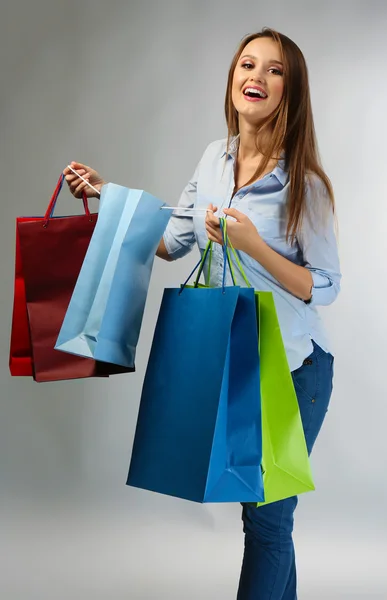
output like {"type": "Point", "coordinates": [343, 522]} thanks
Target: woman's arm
{"type": "Point", "coordinates": [245, 237]}
{"type": "Point", "coordinates": [318, 244]}
{"type": "Point", "coordinates": [296, 279]}
{"type": "Point", "coordinates": [318, 280]}
{"type": "Point", "coordinates": [179, 233]}
{"type": "Point", "coordinates": [162, 252]}
{"type": "Point", "coordinates": [179, 237]}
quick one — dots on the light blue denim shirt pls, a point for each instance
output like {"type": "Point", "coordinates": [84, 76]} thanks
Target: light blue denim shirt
{"type": "Point", "coordinates": [264, 202]}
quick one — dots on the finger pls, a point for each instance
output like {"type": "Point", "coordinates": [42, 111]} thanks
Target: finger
{"type": "Point", "coordinates": [78, 172]}
{"type": "Point", "coordinates": [71, 177]}
{"type": "Point", "coordinates": [82, 185]}
{"type": "Point", "coordinates": [214, 221]}
{"type": "Point", "coordinates": [214, 230]}
{"type": "Point", "coordinates": [76, 185]}
{"type": "Point", "coordinates": [232, 212]}
{"type": "Point", "coordinates": [78, 165]}
{"type": "Point", "coordinates": [214, 236]}
{"type": "Point", "coordinates": [214, 239]}
{"type": "Point", "coordinates": [83, 174]}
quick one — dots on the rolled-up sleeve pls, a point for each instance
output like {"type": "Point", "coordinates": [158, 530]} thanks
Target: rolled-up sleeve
{"type": "Point", "coordinates": [179, 237]}
{"type": "Point", "coordinates": [318, 244]}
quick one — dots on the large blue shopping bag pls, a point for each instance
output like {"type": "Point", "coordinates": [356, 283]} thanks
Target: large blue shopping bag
{"type": "Point", "coordinates": [105, 313]}
{"type": "Point", "coordinates": [198, 433]}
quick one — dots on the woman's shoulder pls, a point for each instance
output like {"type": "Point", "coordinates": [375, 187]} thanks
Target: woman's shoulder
{"type": "Point", "coordinates": [319, 204]}
{"type": "Point", "coordinates": [314, 181]}
{"type": "Point", "coordinates": [217, 148]}
{"type": "Point", "coordinates": [316, 189]}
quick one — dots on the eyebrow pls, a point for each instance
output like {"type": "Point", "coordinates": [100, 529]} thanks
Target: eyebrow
{"type": "Point", "coordinates": [277, 62]}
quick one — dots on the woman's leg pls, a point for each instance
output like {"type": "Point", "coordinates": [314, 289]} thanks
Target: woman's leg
{"type": "Point", "coordinates": [268, 562]}
{"type": "Point", "coordinates": [269, 570]}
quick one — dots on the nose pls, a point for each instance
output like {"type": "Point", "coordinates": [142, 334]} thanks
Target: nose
{"type": "Point", "coordinates": [258, 75]}
{"type": "Point", "coordinates": [258, 78]}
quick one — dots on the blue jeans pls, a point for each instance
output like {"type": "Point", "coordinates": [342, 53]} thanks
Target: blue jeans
{"type": "Point", "coordinates": [269, 568]}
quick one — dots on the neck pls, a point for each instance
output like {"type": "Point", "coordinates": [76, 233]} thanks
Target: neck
{"type": "Point", "coordinates": [249, 140]}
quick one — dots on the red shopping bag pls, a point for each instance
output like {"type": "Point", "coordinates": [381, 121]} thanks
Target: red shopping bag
{"type": "Point", "coordinates": [49, 255]}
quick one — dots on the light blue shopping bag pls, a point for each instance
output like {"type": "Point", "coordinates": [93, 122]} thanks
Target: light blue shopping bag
{"type": "Point", "coordinates": [104, 317]}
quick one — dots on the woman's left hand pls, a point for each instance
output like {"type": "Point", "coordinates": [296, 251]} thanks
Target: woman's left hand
{"type": "Point", "coordinates": [242, 232]}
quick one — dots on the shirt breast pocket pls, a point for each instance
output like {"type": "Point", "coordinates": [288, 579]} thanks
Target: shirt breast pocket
{"type": "Point", "coordinates": [269, 217]}
{"type": "Point", "coordinates": [270, 221]}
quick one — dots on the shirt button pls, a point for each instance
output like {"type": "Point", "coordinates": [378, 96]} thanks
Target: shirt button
{"type": "Point", "coordinates": [308, 361]}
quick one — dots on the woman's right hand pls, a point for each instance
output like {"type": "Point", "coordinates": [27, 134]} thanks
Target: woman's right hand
{"type": "Point", "coordinates": [77, 186]}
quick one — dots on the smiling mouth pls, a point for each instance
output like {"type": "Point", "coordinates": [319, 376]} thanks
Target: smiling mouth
{"type": "Point", "coordinates": [254, 93]}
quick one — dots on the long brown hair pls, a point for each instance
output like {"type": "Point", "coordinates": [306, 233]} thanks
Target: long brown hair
{"type": "Point", "coordinates": [292, 125]}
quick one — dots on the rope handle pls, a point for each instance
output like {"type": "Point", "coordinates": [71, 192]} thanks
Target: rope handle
{"type": "Point", "coordinates": [228, 248]}
{"type": "Point", "coordinates": [51, 207]}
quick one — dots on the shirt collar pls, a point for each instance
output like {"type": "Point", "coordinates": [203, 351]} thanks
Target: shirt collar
{"type": "Point", "coordinates": [279, 170]}
{"type": "Point", "coordinates": [233, 147]}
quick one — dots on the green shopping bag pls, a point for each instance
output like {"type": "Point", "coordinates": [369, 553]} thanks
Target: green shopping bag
{"type": "Point", "coordinates": [285, 461]}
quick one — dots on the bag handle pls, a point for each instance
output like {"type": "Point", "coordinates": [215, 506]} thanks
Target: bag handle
{"type": "Point", "coordinates": [51, 207]}
{"type": "Point", "coordinates": [238, 263]}
{"type": "Point", "coordinates": [208, 252]}
{"type": "Point", "coordinates": [229, 247]}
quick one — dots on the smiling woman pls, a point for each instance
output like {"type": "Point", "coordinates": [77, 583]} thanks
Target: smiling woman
{"type": "Point", "coordinates": [267, 178]}
{"type": "Point", "coordinates": [258, 78]}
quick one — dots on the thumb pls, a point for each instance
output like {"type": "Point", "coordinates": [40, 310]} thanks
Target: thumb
{"type": "Point", "coordinates": [233, 212]}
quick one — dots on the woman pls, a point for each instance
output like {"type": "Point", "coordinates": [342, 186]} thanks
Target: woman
{"type": "Point", "coordinates": [267, 179]}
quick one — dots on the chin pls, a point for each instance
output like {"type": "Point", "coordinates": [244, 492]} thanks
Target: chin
{"type": "Point", "coordinates": [253, 117]}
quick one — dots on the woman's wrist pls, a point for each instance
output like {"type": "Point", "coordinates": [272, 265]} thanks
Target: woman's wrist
{"type": "Point", "coordinates": [99, 187]}
{"type": "Point", "coordinates": [254, 246]}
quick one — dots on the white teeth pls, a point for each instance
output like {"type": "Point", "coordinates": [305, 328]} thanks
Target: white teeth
{"type": "Point", "coordinates": [255, 92]}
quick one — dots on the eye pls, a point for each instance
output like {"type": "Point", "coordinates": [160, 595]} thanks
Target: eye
{"type": "Point", "coordinates": [247, 66]}
{"type": "Point", "coordinates": [275, 71]}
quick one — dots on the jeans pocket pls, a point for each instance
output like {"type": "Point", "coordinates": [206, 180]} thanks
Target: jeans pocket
{"type": "Point", "coordinates": [313, 385]}
{"type": "Point", "coordinates": [306, 381]}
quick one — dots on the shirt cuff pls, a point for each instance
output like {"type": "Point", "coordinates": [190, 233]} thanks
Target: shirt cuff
{"type": "Point", "coordinates": [320, 281]}
{"type": "Point", "coordinates": [174, 249]}
{"type": "Point", "coordinates": [324, 290]}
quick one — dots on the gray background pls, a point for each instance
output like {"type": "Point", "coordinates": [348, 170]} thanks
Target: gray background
{"type": "Point", "coordinates": [136, 90]}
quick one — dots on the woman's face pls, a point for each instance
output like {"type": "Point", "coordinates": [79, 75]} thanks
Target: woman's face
{"type": "Point", "coordinates": [258, 82]}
